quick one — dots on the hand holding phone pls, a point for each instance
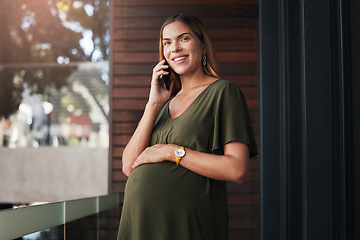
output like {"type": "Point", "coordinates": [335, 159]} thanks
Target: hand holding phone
{"type": "Point", "coordinates": [166, 78]}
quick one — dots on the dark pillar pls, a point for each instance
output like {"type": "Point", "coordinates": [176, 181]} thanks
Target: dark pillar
{"type": "Point", "coordinates": [304, 120]}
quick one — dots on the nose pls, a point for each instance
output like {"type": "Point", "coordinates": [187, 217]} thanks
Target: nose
{"type": "Point", "coordinates": [176, 47]}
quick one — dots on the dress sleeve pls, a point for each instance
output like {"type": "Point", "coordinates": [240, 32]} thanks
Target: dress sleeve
{"type": "Point", "coordinates": [232, 121]}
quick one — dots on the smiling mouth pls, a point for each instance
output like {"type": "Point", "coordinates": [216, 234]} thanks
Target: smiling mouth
{"type": "Point", "coordinates": [179, 58]}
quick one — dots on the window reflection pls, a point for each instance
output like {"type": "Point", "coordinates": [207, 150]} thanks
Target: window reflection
{"type": "Point", "coordinates": [74, 114]}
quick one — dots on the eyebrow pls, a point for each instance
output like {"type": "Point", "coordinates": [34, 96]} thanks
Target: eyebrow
{"type": "Point", "coordinates": [178, 36]}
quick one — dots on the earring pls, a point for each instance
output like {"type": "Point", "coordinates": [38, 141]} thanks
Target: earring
{"type": "Point", "coordinates": [204, 59]}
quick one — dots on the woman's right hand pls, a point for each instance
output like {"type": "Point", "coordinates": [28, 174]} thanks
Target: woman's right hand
{"type": "Point", "coordinates": [140, 140]}
{"type": "Point", "coordinates": [159, 94]}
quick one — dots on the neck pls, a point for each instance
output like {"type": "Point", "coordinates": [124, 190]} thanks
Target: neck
{"type": "Point", "coordinates": [195, 80]}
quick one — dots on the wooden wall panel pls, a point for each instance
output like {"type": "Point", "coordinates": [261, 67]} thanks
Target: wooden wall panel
{"type": "Point", "coordinates": [232, 25]}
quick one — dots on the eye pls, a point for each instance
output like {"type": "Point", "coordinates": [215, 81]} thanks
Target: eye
{"type": "Point", "coordinates": [185, 39]}
{"type": "Point", "coordinates": [166, 43]}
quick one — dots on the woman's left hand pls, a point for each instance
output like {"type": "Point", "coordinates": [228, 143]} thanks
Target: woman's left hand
{"type": "Point", "coordinates": [154, 154]}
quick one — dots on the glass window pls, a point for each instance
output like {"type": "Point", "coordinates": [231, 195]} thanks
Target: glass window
{"type": "Point", "coordinates": [73, 111]}
{"type": "Point", "coordinates": [54, 80]}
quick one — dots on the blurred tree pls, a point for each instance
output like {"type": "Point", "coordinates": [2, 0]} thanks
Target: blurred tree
{"type": "Point", "coordinates": [47, 31]}
{"type": "Point", "coordinates": [93, 16]}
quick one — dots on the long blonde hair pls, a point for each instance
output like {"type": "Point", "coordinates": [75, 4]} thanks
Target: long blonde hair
{"type": "Point", "coordinates": [196, 26]}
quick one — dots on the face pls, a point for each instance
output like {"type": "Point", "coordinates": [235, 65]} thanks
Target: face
{"type": "Point", "coordinates": [182, 49]}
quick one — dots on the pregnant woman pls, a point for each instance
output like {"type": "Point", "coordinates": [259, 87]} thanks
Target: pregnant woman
{"type": "Point", "coordinates": [190, 140]}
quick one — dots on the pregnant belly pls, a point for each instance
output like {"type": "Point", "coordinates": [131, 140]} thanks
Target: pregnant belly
{"type": "Point", "coordinates": [167, 185]}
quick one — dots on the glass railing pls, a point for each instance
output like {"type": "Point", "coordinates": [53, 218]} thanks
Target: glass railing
{"type": "Point", "coordinates": [89, 218]}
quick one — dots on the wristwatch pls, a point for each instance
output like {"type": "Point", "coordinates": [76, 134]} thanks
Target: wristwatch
{"type": "Point", "coordinates": [179, 153]}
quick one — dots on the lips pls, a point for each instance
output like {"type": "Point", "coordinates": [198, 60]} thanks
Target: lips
{"type": "Point", "coordinates": [178, 59]}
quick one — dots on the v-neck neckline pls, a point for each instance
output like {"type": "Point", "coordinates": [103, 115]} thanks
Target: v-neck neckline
{"type": "Point", "coordinates": [191, 104]}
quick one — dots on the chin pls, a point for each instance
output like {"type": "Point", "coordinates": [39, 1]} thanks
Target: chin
{"type": "Point", "coordinates": [179, 71]}
{"type": "Point", "coordinates": [183, 71]}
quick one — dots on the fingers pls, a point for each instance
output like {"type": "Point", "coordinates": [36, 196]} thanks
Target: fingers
{"type": "Point", "coordinates": [159, 93]}
{"type": "Point", "coordinates": [161, 65]}
{"type": "Point", "coordinates": [158, 70]}
{"type": "Point", "coordinates": [143, 158]}
{"type": "Point", "coordinates": [137, 163]}
{"type": "Point", "coordinates": [150, 155]}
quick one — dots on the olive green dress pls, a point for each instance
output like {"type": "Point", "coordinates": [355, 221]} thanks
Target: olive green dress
{"type": "Point", "coordinates": [165, 201]}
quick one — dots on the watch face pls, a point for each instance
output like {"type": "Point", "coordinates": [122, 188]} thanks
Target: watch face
{"type": "Point", "coordinates": [180, 152]}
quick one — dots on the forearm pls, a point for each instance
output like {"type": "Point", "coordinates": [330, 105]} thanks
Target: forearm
{"type": "Point", "coordinates": [227, 167]}
{"type": "Point", "coordinates": [232, 166]}
{"type": "Point", "coordinates": [141, 137]}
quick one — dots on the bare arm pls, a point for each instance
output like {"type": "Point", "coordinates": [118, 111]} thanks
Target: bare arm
{"type": "Point", "coordinates": [141, 137]}
{"type": "Point", "coordinates": [232, 166]}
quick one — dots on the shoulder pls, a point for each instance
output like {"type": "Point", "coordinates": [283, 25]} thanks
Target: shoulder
{"type": "Point", "coordinates": [223, 86]}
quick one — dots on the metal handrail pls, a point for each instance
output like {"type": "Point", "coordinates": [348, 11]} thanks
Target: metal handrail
{"type": "Point", "coordinates": [18, 222]}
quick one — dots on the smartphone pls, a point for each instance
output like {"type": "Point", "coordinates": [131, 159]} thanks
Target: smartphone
{"type": "Point", "coordinates": [166, 78]}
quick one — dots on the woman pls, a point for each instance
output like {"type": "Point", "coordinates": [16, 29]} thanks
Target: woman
{"type": "Point", "coordinates": [190, 140]}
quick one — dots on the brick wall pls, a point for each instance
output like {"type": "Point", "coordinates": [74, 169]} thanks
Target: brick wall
{"type": "Point", "coordinates": [232, 25]}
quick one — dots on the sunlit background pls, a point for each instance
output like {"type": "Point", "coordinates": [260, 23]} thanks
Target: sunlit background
{"type": "Point", "coordinates": [54, 100]}
{"type": "Point", "coordinates": [54, 73]}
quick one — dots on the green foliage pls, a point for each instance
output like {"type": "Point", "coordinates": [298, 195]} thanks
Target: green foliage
{"type": "Point", "coordinates": [43, 31]}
